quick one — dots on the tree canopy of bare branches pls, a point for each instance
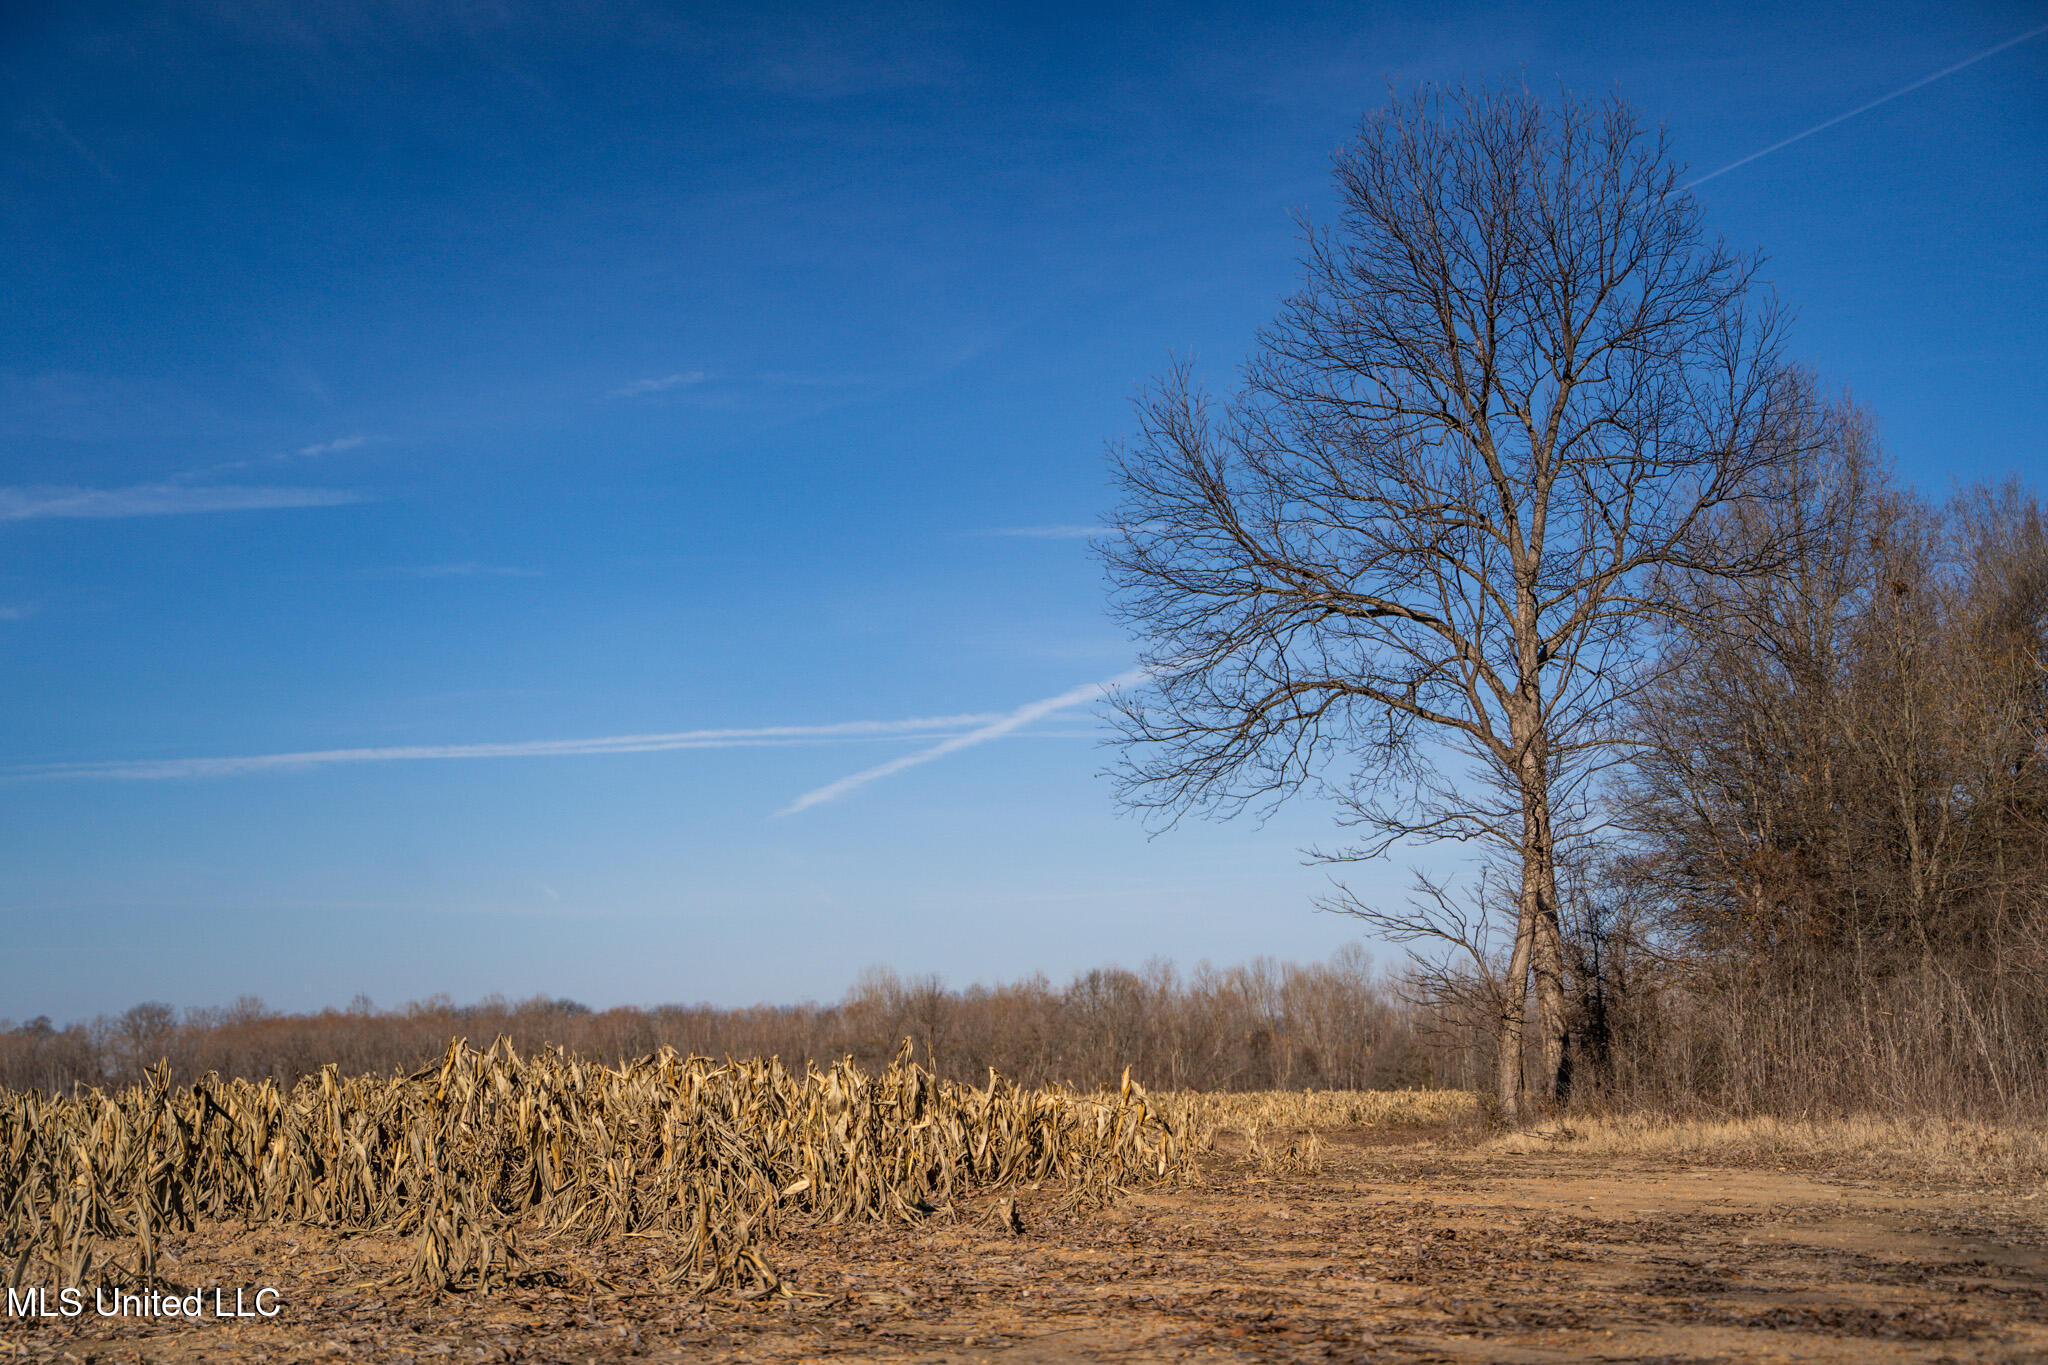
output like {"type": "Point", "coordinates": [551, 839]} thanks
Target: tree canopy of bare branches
{"type": "Point", "coordinates": [1408, 563]}
{"type": "Point", "coordinates": [1846, 759]}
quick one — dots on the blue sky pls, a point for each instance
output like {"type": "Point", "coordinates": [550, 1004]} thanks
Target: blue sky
{"type": "Point", "coordinates": [475, 388]}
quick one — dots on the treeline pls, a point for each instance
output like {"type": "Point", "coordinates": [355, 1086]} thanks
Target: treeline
{"type": "Point", "coordinates": [1259, 1026]}
{"type": "Point", "coordinates": [1823, 881]}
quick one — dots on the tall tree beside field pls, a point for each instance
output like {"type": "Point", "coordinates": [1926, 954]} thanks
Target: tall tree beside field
{"type": "Point", "coordinates": [1409, 562]}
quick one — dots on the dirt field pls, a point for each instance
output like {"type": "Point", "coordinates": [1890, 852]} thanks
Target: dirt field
{"type": "Point", "coordinates": [1403, 1248]}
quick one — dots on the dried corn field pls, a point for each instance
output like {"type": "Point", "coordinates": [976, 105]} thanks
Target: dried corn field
{"type": "Point", "coordinates": [491, 1160]}
{"type": "Point", "coordinates": [1346, 1226]}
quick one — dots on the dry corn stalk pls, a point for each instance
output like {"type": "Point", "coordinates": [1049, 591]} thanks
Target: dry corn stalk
{"type": "Point", "coordinates": [713, 1156]}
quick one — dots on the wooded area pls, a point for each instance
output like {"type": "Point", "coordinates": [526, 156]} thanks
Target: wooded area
{"type": "Point", "coordinates": [1261, 1026]}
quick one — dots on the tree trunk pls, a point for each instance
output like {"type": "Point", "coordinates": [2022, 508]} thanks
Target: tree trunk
{"type": "Point", "coordinates": [1537, 921]}
{"type": "Point", "coordinates": [1552, 1027]}
{"type": "Point", "coordinates": [1513, 1011]}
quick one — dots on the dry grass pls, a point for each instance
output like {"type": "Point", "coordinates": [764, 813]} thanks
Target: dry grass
{"type": "Point", "coordinates": [490, 1156]}
{"type": "Point", "coordinates": [1913, 1148]}
{"type": "Point", "coordinates": [1281, 1130]}
{"type": "Point", "coordinates": [1326, 1109]}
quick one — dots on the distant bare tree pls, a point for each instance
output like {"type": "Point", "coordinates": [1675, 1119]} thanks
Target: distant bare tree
{"type": "Point", "coordinates": [145, 1035]}
{"type": "Point", "coordinates": [1409, 563]}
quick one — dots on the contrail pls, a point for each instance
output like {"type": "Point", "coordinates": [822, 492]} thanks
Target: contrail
{"type": "Point", "coordinates": [160, 499]}
{"type": "Point", "coordinates": [1023, 715]}
{"type": "Point", "coordinates": [160, 769]}
{"type": "Point", "coordinates": [1881, 99]}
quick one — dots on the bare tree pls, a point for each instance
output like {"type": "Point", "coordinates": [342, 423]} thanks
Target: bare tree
{"type": "Point", "coordinates": [1409, 562]}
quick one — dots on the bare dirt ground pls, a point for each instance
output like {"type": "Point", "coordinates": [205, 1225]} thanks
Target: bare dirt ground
{"type": "Point", "coordinates": [1402, 1249]}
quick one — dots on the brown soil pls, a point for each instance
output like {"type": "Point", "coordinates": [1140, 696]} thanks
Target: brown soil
{"type": "Point", "coordinates": [1398, 1251]}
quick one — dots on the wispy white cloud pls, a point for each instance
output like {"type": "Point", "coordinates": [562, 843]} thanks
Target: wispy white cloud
{"type": "Point", "coordinates": [160, 499]}
{"type": "Point", "coordinates": [308, 452]}
{"type": "Point", "coordinates": [319, 448]}
{"type": "Point", "coordinates": [17, 612]}
{"type": "Point", "coordinates": [1044, 532]}
{"type": "Point", "coordinates": [994, 729]}
{"type": "Point", "coordinates": [467, 569]}
{"type": "Point", "coordinates": [1881, 99]}
{"type": "Point", "coordinates": [763, 736]}
{"type": "Point", "coordinates": [660, 385]}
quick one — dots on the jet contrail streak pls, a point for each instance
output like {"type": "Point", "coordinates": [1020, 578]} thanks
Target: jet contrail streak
{"type": "Point", "coordinates": [1881, 99]}
{"type": "Point", "coordinates": [1023, 715]}
{"type": "Point", "coordinates": [160, 769]}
